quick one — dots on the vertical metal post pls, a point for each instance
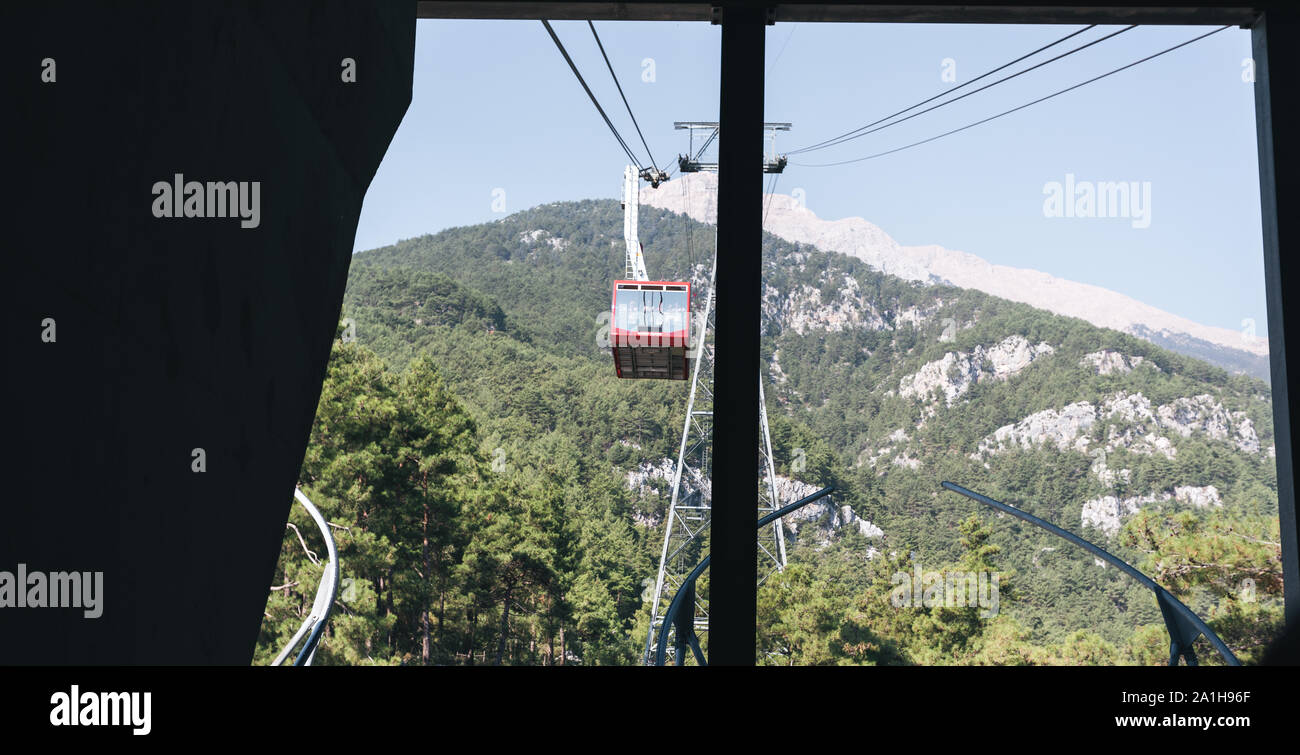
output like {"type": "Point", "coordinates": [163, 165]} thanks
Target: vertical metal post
{"type": "Point", "coordinates": [732, 590]}
{"type": "Point", "coordinates": [769, 480]}
{"type": "Point", "coordinates": [1279, 183]}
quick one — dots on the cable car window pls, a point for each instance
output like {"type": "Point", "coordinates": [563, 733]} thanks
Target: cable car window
{"type": "Point", "coordinates": [650, 311]}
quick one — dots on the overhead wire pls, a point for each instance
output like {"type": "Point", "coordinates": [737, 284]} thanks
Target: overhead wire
{"type": "Point", "coordinates": [614, 76]}
{"type": "Point", "coordinates": [946, 92]}
{"type": "Point", "coordinates": [587, 89]}
{"type": "Point", "coordinates": [771, 191]}
{"type": "Point", "coordinates": [780, 52]}
{"type": "Point", "coordinates": [981, 89]}
{"type": "Point", "coordinates": [1015, 109]}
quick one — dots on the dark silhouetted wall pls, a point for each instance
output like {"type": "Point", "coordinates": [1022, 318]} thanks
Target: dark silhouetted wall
{"type": "Point", "coordinates": [174, 334]}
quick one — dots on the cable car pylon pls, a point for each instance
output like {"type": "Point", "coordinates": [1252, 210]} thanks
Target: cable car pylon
{"type": "Point", "coordinates": [686, 534]}
{"type": "Point", "coordinates": [689, 511]}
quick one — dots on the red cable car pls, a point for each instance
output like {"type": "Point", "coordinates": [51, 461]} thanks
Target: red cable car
{"type": "Point", "coordinates": [650, 333]}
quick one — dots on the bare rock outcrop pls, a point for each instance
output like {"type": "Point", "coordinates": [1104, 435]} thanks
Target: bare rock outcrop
{"type": "Point", "coordinates": [955, 372]}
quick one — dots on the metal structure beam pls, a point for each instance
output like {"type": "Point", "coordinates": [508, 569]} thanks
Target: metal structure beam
{"type": "Point", "coordinates": [634, 259]}
{"type": "Point", "coordinates": [1183, 625]}
{"type": "Point", "coordinates": [690, 162]}
{"type": "Point", "coordinates": [1279, 190]}
{"type": "Point", "coordinates": [733, 590]}
{"type": "Point", "coordinates": [326, 592]}
{"type": "Point", "coordinates": [687, 526]}
{"type": "Point", "coordinates": [1238, 13]}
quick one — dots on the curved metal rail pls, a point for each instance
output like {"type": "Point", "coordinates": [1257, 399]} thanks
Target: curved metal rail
{"type": "Point", "coordinates": [1182, 624]}
{"type": "Point", "coordinates": [314, 626]}
{"type": "Point", "coordinates": [685, 627]}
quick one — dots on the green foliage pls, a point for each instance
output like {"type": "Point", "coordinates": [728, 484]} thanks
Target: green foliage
{"type": "Point", "coordinates": [445, 560]}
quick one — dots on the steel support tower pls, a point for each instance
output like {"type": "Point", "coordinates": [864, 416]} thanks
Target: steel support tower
{"type": "Point", "coordinates": [686, 535]}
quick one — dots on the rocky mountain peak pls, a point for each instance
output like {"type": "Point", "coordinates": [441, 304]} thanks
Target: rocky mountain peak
{"type": "Point", "coordinates": [695, 195]}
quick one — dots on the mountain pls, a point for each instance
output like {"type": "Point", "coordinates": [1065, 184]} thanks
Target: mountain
{"type": "Point", "coordinates": [879, 383]}
{"type": "Point", "coordinates": [695, 194]}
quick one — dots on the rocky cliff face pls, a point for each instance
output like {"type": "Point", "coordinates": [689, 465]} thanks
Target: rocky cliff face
{"type": "Point", "coordinates": [1129, 423]}
{"type": "Point", "coordinates": [824, 515]}
{"type": "Point", "coordinates": [957, 371]}
{"type": "Point", "coordinates": [1109, 512]}
{"type": "Point", "coordinates": [695, 195]}
{"type": "Point", "coordinates": [1110, 362]}
{"type": "Point", "coordinates": [806, 309]}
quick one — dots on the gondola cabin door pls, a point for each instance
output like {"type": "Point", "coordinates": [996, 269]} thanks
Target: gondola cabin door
{"type": "Point", "coordinates": [650, 336]}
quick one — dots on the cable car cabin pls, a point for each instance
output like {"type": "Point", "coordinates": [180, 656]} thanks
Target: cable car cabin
{"type": "Point", "coordinates": [650, 334]}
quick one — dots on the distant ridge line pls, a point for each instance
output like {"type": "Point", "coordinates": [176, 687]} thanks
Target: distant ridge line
{"type": "Point", "coordinates": [861, 239]}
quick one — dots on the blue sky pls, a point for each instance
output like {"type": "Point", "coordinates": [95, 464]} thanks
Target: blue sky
{"type": "Point", "coordinates": [496, 108]}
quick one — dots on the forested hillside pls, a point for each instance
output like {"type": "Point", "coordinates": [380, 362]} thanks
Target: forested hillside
{"type": "Point", "coordinates": [499, 496]}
